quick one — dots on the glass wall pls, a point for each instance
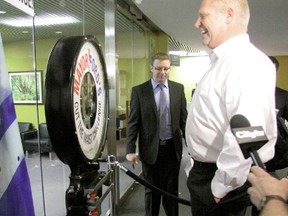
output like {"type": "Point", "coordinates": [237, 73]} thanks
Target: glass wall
{"type": "Point", "coordinates": [27, 50]}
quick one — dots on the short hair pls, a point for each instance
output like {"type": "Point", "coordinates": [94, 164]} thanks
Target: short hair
{"type": "Point", "coordinates": [160, 56]}
{"type": "Point", "coordinates": [241, 8]}
{"type": "Point", "coordinates": [275, 62]}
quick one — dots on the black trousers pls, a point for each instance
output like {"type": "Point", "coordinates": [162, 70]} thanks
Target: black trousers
{"type": "Point", "coordinates": [164, 174]}
{"type": "Point", "coordinates": [234, 203]}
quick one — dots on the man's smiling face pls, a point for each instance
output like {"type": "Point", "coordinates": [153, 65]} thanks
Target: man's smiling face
{"type": "Point", "coordinates": [212, 23]}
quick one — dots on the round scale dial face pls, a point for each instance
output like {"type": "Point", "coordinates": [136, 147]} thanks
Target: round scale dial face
{"type": "Point", "coordinates": [89, 100]}
{"type": "Point", "coordinates": [76, 104]}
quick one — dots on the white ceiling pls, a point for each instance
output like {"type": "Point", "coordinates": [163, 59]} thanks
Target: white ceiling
{"type": "Point", "coordinates": [268, 28]}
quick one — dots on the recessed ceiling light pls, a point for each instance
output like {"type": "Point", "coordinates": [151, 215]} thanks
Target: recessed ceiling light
{"type": "Point", "coordinates": [39, 21]}
{"type": "Point", "coordinates": [185, 53]}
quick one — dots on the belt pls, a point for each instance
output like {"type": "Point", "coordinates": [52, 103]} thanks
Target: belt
{"type": "Point", "coordinates": [164, 142]}
{"type": "Point", "coordinates": [204, 164]}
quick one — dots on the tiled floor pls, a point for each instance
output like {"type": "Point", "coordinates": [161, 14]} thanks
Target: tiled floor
{"type": "Point", "coordinates": [134, 205]}
{"type": "Point", "coordinates": [55, 175]}
{"type": "Point", "coordinates": [56, 181]}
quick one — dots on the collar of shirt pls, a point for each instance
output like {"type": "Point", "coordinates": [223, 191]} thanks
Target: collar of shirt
{"type": "Point", "coordinates": [155, 84]}
{"type": "Point", "coordinates": [213, 57]}
{"type": "Point", "coordinates": [228, 46]}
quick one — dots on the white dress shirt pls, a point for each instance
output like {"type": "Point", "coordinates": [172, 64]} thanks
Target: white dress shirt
{"type": "Point", "coordinates": [240, 80]}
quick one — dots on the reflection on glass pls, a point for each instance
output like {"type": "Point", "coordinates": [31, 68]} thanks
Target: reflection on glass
{"type": "Point", "coordinates": [49, 176]}
{"type": "Point", "coordinates": [132, 71]}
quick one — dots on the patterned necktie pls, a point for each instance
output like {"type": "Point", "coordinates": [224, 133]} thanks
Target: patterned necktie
{"type": "Point", "coordinates": [162, 113]}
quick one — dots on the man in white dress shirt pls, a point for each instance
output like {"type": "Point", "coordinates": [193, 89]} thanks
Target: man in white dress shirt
{"type": "Point", "coordinates": [240, 80]}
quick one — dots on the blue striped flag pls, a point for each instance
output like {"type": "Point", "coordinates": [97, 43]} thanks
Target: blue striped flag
{"type": "Point", "coordinates": [15, 189]}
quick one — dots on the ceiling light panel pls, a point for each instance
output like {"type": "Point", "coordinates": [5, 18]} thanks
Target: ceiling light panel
{"type": "Point", "coordinates": [39, 21]}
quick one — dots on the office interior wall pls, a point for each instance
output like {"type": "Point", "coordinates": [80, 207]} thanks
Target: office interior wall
{"type": "Point", "coordinates": [189, 73]}
{"type": "Point", "coordinates": [193, 68]}
{"type": "Point", "coordinates": [19, 58]}
{"type": "Point", "coordinates": [282, 79]}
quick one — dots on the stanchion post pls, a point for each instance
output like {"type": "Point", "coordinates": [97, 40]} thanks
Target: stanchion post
{"type": "Point", "coordinates": [114, 195]}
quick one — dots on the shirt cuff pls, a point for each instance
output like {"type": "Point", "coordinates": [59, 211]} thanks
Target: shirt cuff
{"type": "Point", "coordinates": [219, 190]}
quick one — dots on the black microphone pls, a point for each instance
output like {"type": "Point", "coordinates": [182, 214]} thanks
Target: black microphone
{"type": "Point", "coordinates": [250, 139]}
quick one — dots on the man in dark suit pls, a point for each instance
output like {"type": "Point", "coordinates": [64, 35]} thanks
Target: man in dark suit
{"type": "Point", "coordinates": [280, 159]}
{"type": "Point", "coordinates": [159, 153]}
{"type": "Point", "coordinates": [280, 94]}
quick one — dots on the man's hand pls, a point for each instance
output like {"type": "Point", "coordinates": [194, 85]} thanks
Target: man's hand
{"type": "Point", "coordinates": [264, 184]}
{"type": "Point", "coordinates": [217, 200]}
{"type": "Point", "coordinates": [132, 157]}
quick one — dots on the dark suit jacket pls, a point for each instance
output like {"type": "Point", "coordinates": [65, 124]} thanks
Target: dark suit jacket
{"type": "Point", "coordinates": [144, 120]}
{"type": "Point", "coordinates": [282, 102]}
{"type": "Point", "coordinates": [280, 158]}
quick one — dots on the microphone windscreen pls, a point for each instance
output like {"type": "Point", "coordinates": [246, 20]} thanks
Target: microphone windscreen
{"type": "Point", "coordinates": [239, 121]}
